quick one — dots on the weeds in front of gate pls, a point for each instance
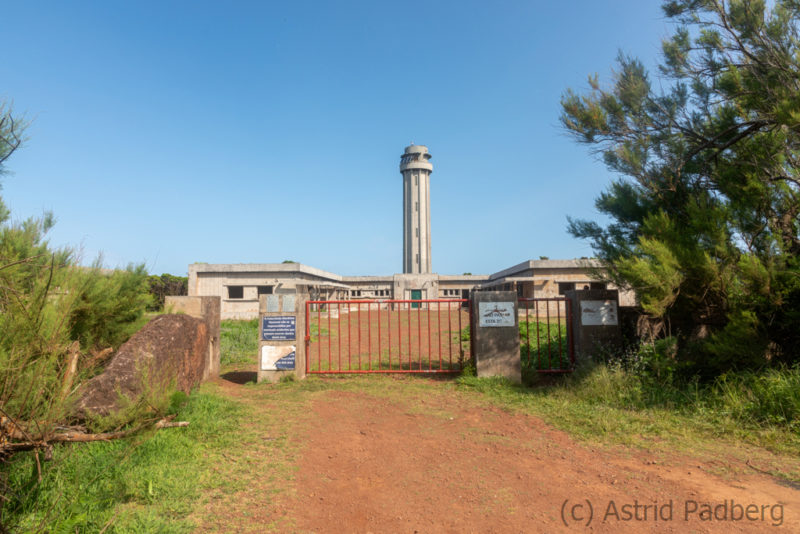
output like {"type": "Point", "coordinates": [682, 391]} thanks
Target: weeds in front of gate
{"type": "Point", "coordinates": [544, 346]}
{"type": "Point", "coordinates": [238, 341]}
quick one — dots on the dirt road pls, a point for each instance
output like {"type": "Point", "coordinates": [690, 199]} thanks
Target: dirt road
{"type": "Point", "coordinates": [443, 463]}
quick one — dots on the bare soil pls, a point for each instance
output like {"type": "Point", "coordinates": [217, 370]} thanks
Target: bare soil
{"type": "Point", "coordinates": [445, 463]}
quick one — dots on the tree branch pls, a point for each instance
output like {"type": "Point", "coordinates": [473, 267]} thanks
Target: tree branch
{"type": "Point", "coordinates": [82, 437]}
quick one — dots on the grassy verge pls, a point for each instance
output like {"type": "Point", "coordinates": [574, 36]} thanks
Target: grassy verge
{"type": "Point", "coordinates": [240, 449]}
{"type": "Point", "coordinates": [606, 405]}
{"type": "Point", "coordinates": [142, 484]}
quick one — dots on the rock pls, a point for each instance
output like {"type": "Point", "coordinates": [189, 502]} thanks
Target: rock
{"type": "Point", "coordinates": [170, 350]}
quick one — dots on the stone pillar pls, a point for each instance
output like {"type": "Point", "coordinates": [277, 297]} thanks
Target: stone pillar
{"type": "Point", "coordinates": [207, 309]}
{"type": "Point", "coordinates": [495, 334]}
{"type": "Point", "coordinates": [282, 328]}
{"type": "Point", "coordinates": [595, 320]}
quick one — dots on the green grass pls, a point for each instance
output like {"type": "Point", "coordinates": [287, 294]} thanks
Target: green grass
{"type": "Point", "coordinates": [238, 342]}
{"type": "Point", "coordinates": [543, 346]}
{"type": "Point", "coordinates": [175, 480]}
{"type": "Point", "coordinates": [608, 405]}
{"type": "Point", "coordinates": [142, 484]}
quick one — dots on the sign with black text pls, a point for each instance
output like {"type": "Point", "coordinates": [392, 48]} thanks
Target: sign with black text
{"type": "Point", "coordinates": [496, 314]}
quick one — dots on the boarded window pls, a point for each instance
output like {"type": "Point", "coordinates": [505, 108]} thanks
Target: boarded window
{"type": "Point", "coordinates": [235, 292]}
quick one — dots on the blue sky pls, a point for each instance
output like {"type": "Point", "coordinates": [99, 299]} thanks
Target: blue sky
{"type": "Point", "coordinates": [234, 132]}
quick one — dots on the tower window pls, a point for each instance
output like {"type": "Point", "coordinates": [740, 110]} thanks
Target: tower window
{"type": "Point", "coordinates": [416, 206]}
{"type": "Point", "coordinates": [416, 179]}
{"type": "Point", "coordinates": [417, 230]}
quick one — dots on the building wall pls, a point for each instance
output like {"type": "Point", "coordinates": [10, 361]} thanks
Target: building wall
{"type": "Point", "coordinates": [218, 280]}
{"type": "Point", "coordinates": [538, 279]}
{"type": "Point", "coordinates": [552, 278]}
{"type": "Point", "coordinates": [369, 287]}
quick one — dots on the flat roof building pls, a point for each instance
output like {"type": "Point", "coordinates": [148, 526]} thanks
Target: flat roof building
{"type": "Point", "coordinates": [239, 285]}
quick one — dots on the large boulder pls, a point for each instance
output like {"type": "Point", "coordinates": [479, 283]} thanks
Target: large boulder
{"type": "Point", "coordinates": [170, 351]}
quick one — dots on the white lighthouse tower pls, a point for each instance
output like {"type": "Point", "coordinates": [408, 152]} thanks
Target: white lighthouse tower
{"type": "Point", "coordinates": [416, 170]}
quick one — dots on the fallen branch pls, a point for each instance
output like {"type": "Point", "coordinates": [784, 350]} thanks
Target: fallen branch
{"type": "Point", "coordinates": [82, 437]}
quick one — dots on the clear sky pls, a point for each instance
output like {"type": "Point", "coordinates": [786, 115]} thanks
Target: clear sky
{"type": "Point", "coordinates": [170, 132]}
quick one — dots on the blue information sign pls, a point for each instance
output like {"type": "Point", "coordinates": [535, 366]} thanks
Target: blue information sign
{"type": "Point", "coordinates": [280, 328]}
{"type": "Point", "coordinates": [287, 362]}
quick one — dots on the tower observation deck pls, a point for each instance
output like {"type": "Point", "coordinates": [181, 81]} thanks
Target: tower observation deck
{"type": "Point", "coordinates": [416, 170]}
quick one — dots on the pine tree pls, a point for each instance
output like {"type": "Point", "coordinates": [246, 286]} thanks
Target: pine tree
{"type": "Point", "coordinates": [705, 209]}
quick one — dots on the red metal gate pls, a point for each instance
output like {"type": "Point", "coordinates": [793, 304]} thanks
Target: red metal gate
{"type": "Point", "coordinates": [387, 336]}
{"type": "Point", "coordinates": [545, 331]}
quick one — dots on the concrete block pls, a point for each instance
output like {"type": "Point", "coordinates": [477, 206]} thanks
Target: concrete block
{"type": "Point", "coordinates": [595, 321]}
{"type": "Point", "coordinates": [279, 312]}
{"type": "Point", "coordinates": [495, 334]}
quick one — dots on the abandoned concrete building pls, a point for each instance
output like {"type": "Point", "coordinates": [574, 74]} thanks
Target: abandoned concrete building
{"type": "Point", "coordinates": [240, 285]}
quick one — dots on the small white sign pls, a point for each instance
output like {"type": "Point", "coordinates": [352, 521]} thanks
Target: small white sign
{"type": "Point", "coordinates": [271, 354]}
{"type": "Point", "coordinates": [496, 314]}
{"type": "Point", "coordinates": [599, 313]}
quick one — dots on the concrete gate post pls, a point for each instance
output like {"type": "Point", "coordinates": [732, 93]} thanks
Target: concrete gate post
{"type": "Point", "coordinates": [595, 320]}
{"type": "Point", "coordinates": [495, 334]}
{"type": "Point", "coordinates": [281, 333]}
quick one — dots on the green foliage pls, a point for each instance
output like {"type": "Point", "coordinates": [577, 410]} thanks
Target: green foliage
{"type": "Point", "coordinates": [612, 400]}
{"type": "Point", "coordinates": [648, 376]}
{"type": "Point", "coordinates": [50, 307]}
{"type": "Point", "coordinates": [142, 484]}
{"type": "Point", "coordinates": [166, 285]}
{"type": "Point", "coordinates": [468, 368]}
{"type": "Point", "coordinates": [238, 341]}
{"type": "Point", "coordinates": [706, 212]}
{"type": "Point", "coordinates": [543, 346]}
{"type": "Point", "coordinates": [110, 307]}
{"type": "Point", "coordinates": [771, 397]}
{"type": "Point", "coordinates": [465, 335]}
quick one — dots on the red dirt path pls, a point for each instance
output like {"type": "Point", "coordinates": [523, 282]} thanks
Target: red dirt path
{"type": "Point", "coordinates": [375, 465]}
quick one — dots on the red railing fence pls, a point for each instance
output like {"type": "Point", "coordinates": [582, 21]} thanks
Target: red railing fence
{"type": "Point", "coordinates": [387, 336]}
{"type": "Point", "coordinates": [546, 337]}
